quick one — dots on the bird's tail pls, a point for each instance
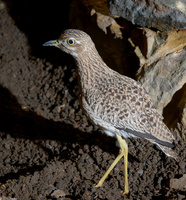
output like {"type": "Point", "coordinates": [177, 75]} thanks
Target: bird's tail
{"type": "Point", "coordinates": [168, 151]}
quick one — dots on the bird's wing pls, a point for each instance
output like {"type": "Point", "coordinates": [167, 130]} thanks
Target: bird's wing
{"type": "Point", "coordinates": [150, 124]}
{"type": "Point", "coordinates": [159, 129]}
{"type": "Point", "coordinates": [125, 105]}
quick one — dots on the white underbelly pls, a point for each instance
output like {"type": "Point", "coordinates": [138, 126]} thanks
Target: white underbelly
{"type": "Point", "coordinates": [122, 133]}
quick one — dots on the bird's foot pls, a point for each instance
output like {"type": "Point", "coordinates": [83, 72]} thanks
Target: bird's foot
{"type": "Point", "coordinates": [125, 191]}
{"type": "Point", "coordinates": [98, 185]}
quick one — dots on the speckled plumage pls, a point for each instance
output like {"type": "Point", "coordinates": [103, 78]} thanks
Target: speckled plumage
{"type": "Point", "coordinates": [116, 103]}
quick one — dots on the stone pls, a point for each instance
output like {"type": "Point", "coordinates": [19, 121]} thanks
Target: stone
{"type": "Point", "coordinates": [58, 193]}
{"type": "Point", "coordinates": [163, 15]}
{"type": "Point", "coordinates": [178, 183]}
{"type": "Point", "coordinates": [162, 69]}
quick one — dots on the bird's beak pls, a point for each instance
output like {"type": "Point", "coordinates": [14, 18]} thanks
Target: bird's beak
{"type": "Point", "coordinates": [54, 43]}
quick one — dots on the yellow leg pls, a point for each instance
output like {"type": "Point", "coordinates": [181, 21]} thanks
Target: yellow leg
{"type": "Point", "coordinates": [126, 187]}
{"type": "Point", "coordinates": [122, 152]}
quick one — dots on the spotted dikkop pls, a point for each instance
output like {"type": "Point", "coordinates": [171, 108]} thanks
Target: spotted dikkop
{"type": "Point", "coordinates": [117, 104]}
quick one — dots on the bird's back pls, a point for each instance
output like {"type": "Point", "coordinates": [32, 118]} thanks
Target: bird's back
{"type": "Point", "coordinates": [124, 104]}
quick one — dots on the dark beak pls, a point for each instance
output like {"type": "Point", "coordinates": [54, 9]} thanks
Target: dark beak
{"type": "Point", "coordinates": [54, 43]}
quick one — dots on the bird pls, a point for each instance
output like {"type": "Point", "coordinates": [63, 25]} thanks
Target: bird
{"type": "Point", "coordinates": [117, 104]}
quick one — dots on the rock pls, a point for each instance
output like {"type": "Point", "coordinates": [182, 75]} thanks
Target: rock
{"type": "Point", "coordinates": [180, 131]}
{"type": "Point", "coordinates": [58, 193]}
{"type": "Point", "coordinates": [183, 120]}
{"type": "Point", "coordinates": [162, 73]}
{"type": "Point", "coordinates": [163, 67]}
{"type": "Point", "coordinates": [178, 183]}
{"type": "Point", "coordinates": [163, 78]}
{"type": "Point", "coordinates": [160, 45]}
{"type": "Point", "coordinates": [2, 5]}
{"type": "Point", "coordinates": [105, 21]}
{"type": "Point", "coordinates": [181, 197]}
{"type": "Point", "coordinates": [163, 15]}
{"type": "Point", "coordinates": [180, 5]}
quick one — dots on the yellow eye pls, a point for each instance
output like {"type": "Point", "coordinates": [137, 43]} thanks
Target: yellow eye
{"type": "Point", "coordinates": [71, 42]}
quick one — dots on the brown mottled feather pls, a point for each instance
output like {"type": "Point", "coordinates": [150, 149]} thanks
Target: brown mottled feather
{"type": "Point", "coordinates": [116, 103]}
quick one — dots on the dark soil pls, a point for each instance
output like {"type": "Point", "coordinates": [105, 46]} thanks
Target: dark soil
{"type": "Point", "coordinates": [48, 149]}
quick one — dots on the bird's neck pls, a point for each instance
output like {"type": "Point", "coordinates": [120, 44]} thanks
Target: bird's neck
{"type": "Point", "coordinates": [91, 68]}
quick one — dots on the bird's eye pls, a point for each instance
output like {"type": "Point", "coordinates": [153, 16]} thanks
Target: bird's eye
{"type": "Point", "coordinates": [71, 42]}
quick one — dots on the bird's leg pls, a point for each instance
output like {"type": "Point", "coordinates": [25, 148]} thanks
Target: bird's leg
{"type": "Point", "coordinates": [122, 152]}
{"type": "Point", "coordinates": [125, 146]}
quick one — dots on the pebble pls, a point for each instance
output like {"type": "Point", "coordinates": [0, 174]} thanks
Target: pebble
{"type": "Point", "coordinates": [58, 193]}
{"type": "Point", "coordinates": [140, 172]}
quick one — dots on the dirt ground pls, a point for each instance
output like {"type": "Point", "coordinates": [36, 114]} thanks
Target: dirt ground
{"type": "Point", "coordinates": [48, 149]}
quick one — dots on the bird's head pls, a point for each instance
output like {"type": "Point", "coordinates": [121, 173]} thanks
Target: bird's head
{"type": "Point", "coordinates": [74, 42]}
